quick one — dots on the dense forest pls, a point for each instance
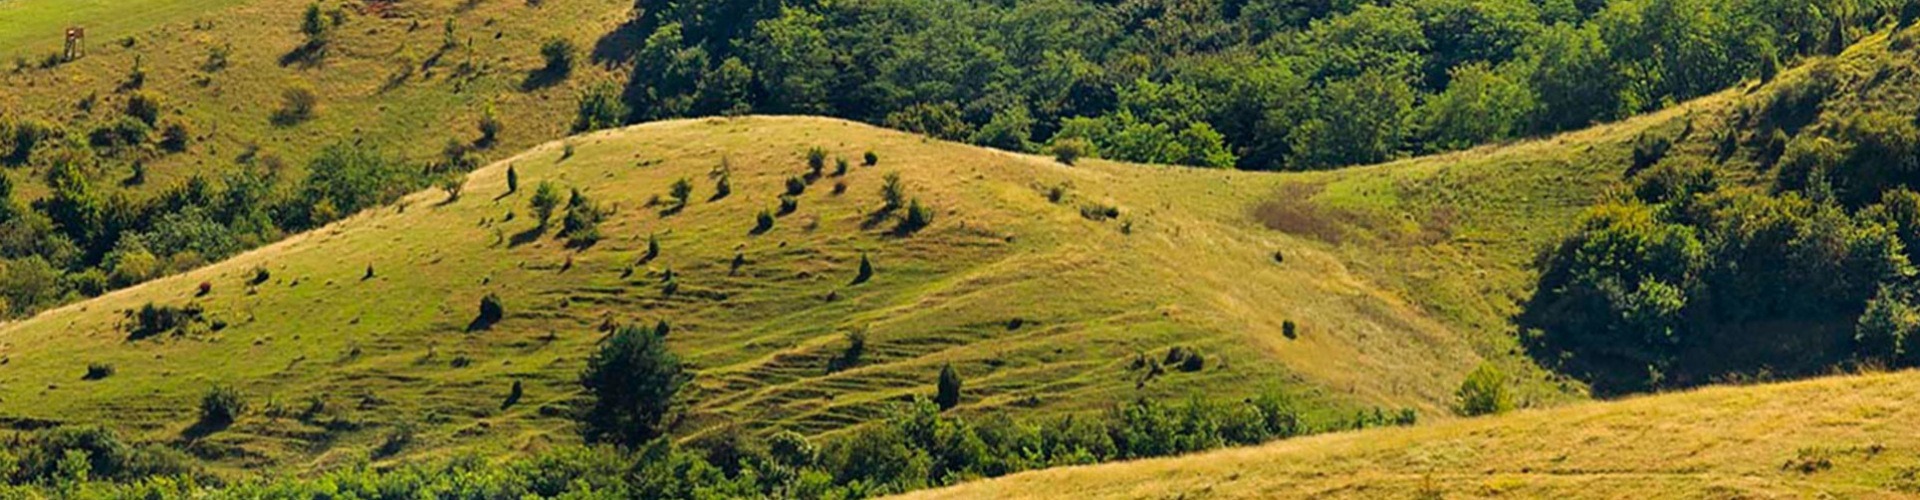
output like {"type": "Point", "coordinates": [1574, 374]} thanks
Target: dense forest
{"type": "Point", "coordinates": [1252, 84]}
{"type": "Point", "coordinates": [1695, 276]}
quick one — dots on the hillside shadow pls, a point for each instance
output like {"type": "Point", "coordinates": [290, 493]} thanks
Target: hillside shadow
{"type": "Point", "coordinates": [203, 428]}
{"type": "Point", "coordinates": [619, 45]}
{"type": "Point", "coordinates": [543, 78]}
{"type": "Point", "coordinates": [305, 56]}
{"type": "Point", "coordinates": [528, 236]}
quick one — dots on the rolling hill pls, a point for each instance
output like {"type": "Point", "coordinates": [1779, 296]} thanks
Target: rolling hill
{"type": "Point", "coordinates": [1042, 305]}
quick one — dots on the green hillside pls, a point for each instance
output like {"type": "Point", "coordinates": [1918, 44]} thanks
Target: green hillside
{"type": "Point", "coordinates": [1041, 308]}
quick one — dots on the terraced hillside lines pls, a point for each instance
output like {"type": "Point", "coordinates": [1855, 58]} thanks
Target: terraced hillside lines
{"type": "Point", "coordinates": [345, 335]}
{"type": "Point", "coordinates": [1843, 436]}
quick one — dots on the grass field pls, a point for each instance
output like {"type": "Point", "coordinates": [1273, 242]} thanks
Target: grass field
{"type": "Point", "coordinates": [1841, 437]}
{"type": "Point", "coordinates": [34, 28]}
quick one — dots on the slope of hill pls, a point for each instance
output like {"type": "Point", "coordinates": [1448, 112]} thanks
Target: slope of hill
{"type": "Point", "coordinates": [1043, 305]}
{"type": "Point", "coordinates": [1834, 437]}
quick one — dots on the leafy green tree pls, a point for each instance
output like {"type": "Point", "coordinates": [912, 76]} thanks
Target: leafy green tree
{"type": "Point", "coordinates": [1573, 77]}
{"type": "Point", "coordinates": [795, 61]}
{"type": "Point", "coordinates": [947, 393]}
{"type": "Point", "coordinates": [1480, 105]}
{"type": "Point", "coordinates": [1362, 120]}
{"type": "Point", "coordinates": [1011, 129]}
{"type": "Point", "coordinates": [1484, 392]}
{"type": "Point", "coordinates": [600, 107]}
{"type": "Point", "coordinates": [546, 198]}
{"type": "Point", "coordinates": [632, 380]}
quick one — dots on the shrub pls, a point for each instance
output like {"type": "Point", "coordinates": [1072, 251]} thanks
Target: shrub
{"type": "Point", "coordinates": [892, 192]}
{"type": "Point", "coordinates": [1069, 150]}
{"type": "Point", "coordinates": [631, 382]}
{"type": "Point", "coordinates": [581, 226]}
{"type": "Point", "coordinates": [681, 191]}
{"type": "Point", "coordinates": [513, 180]}
{"type": "Point", "coordinates": [395, 441]}
{"type": "Point", "coordinates": [491, 311]}
{"type": "Point", "coordinates": [840, 167]}
{"type": "Point", "coordinates": [144, 106]}
{"type": "Point", "coordinates": [1289, 329]}
{"type": "Point", "coordinates": [297, 104]}
{"type": "Point", "coordinates": [313, 24]}
{"type": "Point", "coordinates": [816, 161]}
{"type": "Point", "coordinates": [174, 136]}
{"type": "Point", "coordinates": [763, 222]}
{"type": "Point", "coordinates": [513, 396]}
{"type": "Point", "coordinates": [653, 248]}
{"type": "Point", "coordinates": [788, 204]}
{"type": "Point", "coordinates": [489, 126]}
{"type": "Point", "coordinates": [97, 371]}
{"type": "Point", "coordinates": [1484, 392]}
{"type": "Point", "coordinates": [851, 355]}
{"type": "Point", "coordinates": [559, 55]}
{"type": "Point", "coordinates": [871, 159]}
{"type": "Point", "coordinates": [1194, 362]}
{"type": "Point", "coordinates": [221, 405]}
{"type": "Point", "coordinates": [546, 198]}
{"type": "Point", "coordinates": [918, 218]}
{"type": "Point", "coordinates": [600, 107]}
{"type": "Point", "coordinates": [723, 187]}
{"type": "Point", "coordinates": [739, 261]}
{"type": "Point", "coordinates": [866, 270]}
{"type": "Point", "coordinates": [153, 320]}
{"type": "Point", "coordinates": [796, 186]}
{"type": "Point", "coordinates": [947, 394]}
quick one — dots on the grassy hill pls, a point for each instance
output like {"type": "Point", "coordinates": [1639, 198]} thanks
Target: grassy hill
{"type": "Point", "coordinates": [1834, 437]}
{"type": "Point", "coordinates": [387, 78]}
{"type": "Point", "coordinates": [1042, 308]}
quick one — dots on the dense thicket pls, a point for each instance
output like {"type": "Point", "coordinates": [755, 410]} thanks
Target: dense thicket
{"type": "Point", "coordinates": [1257, 84]}
{"type": "Point", "coordinates": [1691, 279]}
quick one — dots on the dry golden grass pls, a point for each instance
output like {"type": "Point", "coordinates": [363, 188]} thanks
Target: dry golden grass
{"type": "Point", "coordinates": [1839, 437]}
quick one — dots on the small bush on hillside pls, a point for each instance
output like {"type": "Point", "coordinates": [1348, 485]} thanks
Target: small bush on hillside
{"type": "Point", "coordinates": [489, 126]}
{"type": "Point", "coordinates": [739, 261]}
{"type": "Point", "coordinates": [513, 396]}
{"type": "Point", "coordinates": [559, 55]}
{"type": "Point", "coordinates": [840, 166]}
{"type": "Point", "coordinates": [681, 191]}
{"type": "Point", "coordinates": [151, 320]}
{"type": "Point", "coordinates": [513, 180]}
{"type": "Point", "coordinates": [630, 382]}
{"type": "Point", "coordinates": [545, 199]}
{"type": "Point", "coordinates": [653, 249]}
{"type": "Point", "coordinates": [221, 405]}
{"type": "Point", "coordinates": [851, 355]}
{"type": "Point", "coordinates": [839, 187]}
{"type": "Point", "coordinates": [1194, 362]}
{"type": "Point", "coordinates": [788, 204]}
{"type": "Point", "coordinates": [297, 104]}
{"type": "Point", "coordinates": [97, 371]}
{"type": "Point", "coordinates": [1484, 392]}
{"type": "Point", "coordinates": [144, 106]}
{"type": "Point", "coordinates": [1289, 329]}
{"type": "Point", "coordinates": [796, 186]}
{"type": "Point", "coordinates": [175, 136]}
{"type": "Point", "coordinates": [891, 192]}
{"type": "Point", "coordinates": [491, 312]}
{"type": "Point", "coordinates": [581, 226]}
{"type": "Point", "coordinates": [947, 394]}
{"type": "Point", "coordinates": [723, 187]}
{"type": "Point", "coordinates": [395, 441]}
{"type": "Point", "coordinates": [1099, 212]}
{"type": "Point", "coordinates": [816, 161]}
{"type": "Point", "coordinates": [866, 270]}
{"type": "Point", "coordinates": [763, 222]}
{"type": "Point", "coordinates": [1069, 150]}
{"type": "Point", "coordinates": [871, 159]}
{"type": "Point", "coordinates": [918, 217]}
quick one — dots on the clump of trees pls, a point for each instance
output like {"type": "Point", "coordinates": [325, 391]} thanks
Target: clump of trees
{"type": "Point", "coordinates": [632, 380]}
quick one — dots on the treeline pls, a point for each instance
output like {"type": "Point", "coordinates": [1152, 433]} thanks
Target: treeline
{"type": "Point", "coordinates": [1253, 84]}
{"type": "Point", "coordinates": [1692, 279]}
